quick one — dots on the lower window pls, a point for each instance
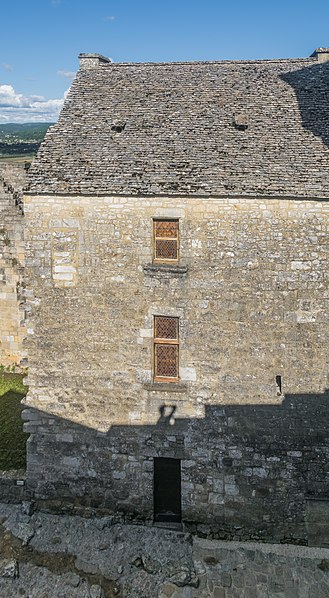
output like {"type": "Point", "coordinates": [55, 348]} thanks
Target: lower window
{"type": "Point", "coordinates": [166, 349]}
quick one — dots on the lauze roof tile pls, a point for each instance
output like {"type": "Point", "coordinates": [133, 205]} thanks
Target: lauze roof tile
{"type": "Point", "coordinates": [202, 128]}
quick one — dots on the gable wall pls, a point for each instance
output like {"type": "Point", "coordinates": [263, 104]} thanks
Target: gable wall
{"type": "Point", "coordinates": [252, 305]}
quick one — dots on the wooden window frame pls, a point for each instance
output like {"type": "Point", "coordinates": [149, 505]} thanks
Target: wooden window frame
{"type": "Point", "coordinates": [162, 260]}
{"type": "Point", "coordinates": [165, 341]}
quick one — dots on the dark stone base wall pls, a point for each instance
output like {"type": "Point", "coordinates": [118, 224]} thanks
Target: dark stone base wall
{"type": "Point", "coordinates": [248, 472]}
{"type": "Point", "coordinates": [12, 486]}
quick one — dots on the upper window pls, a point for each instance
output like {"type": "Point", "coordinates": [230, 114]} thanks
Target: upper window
{"type": "Point", "coordinates": [165, 234]}
{"type": "Point", "coordinates": [166, 349]}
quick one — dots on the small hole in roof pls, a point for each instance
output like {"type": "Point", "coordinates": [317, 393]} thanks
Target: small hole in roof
{"type": "Point", "coordinates": [240, 121]}
{"type": "Point", "coordinates": [118, 126]}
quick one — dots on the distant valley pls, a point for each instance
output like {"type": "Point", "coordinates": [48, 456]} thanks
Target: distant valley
{"type": "Point", "coordinates": [21, 140]}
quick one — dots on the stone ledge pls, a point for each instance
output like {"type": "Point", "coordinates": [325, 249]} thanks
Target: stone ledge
{"type": "Point", "coordinates": [154, 269]}
{"type": "Point", "coordinates": [165, 387]}
{"type": "Point", "coordinates": [13, 474]}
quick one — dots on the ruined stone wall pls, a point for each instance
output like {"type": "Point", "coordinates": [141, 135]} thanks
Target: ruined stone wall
{"type": "Point", "coordinates": [252, 296]}
{"type": "Point", "coordinates": [14, 174]}
{"type": "Point", "coordinates": [12, 319]}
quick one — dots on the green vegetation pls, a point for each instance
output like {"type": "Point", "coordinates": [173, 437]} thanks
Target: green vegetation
{"type": "Point", "coordinates": [25, 131]}
{"type": "Point", "coordinates": [28, 150]}
{"type": "Point", "coordinates": [21, 139]}
{"type": "Point", "coordinates": [12, 438]}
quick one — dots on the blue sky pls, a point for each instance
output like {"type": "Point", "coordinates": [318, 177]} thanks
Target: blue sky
{"type": "Point", "coordinates": [41, 39]}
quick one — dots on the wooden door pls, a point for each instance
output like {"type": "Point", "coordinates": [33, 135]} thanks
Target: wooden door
{"type": "Point", "coordinates": [167, 490]}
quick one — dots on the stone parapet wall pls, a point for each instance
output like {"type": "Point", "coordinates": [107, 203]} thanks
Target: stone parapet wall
{"type": "Point", "coordinates": [12, 316]}
{"type": "Point", "coordinates": [252, 301]}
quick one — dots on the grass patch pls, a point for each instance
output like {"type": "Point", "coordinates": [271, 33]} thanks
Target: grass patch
{"type": "Point", "coordinates": [10, 159]}
{"type": "Point", "coordinates": [12, 438]}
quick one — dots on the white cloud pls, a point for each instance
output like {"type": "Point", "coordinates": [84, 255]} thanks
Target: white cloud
{"type": "Point", "coordinates": [55, 2]}
{"type": "Point", "coordinates": [7, 66]}
{"type": "Point", "coordinates": [8, 97]}
{"type": "Point", "coordinates": [110, 18]}
{"type": "Point", "coordinates": [67, 74]}
{"type": "Point", "coordinates": [15, 107]}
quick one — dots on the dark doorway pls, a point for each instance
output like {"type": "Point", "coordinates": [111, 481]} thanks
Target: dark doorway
{"type": "Point", "coordinates": [167, 490]}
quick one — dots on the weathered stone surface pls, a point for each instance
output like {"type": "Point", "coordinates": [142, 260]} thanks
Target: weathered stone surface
{"type": "Point", "coordinates": [184, 577]}
{"type": "Point", "coordinates": [249, 452]}
{"type": "Point", "coordinates": [27, 507]}
{"type": "Point", "coordinates": [151, 565]}
{"type": "Point", "coordinates": [96, 592]}
{"type": "Point", "coordinates": [73, 579]}
{"type": "Point", "coordinates": [25, 531]}
{"type": "Point", "coordinates": [12, 315]}
{"type": "Point", "coordinates": [167, 590]}
{"type": "Point", "coordinates": [8, 568]}
{"type": "Point", "coordinates": [10, 491]}
{"type": "Point", "coordinates": [190, 567]}
{"type": "Point", "coordinates": [85, 566]}
{"type": "Point", "coordinates": [40, 582]}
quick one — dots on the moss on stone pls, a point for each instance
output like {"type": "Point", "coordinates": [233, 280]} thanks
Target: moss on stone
{"type": "Point", "coordinates": [12, 438]}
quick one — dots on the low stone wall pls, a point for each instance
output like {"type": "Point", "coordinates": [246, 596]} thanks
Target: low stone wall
{"type": "Point", "coordinates": [12, 485]}
{"type": "Point", "coordinates": [254, 570]}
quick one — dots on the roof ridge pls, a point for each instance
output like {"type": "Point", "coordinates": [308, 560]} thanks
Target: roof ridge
{"type": "Point", "coordinates": [212, 62]}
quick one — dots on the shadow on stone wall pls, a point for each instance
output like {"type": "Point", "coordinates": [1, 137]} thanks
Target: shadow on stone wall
{"type": "Point", "coordinates": [247, 471]}
{"type": "Point", "coordinates": [311, 86]}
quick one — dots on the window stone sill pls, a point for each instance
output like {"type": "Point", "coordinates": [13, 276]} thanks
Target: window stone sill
{"type": "Point", "coordinates": [156, 269]}
{"type": "Point", "coordinates": [165, 386]}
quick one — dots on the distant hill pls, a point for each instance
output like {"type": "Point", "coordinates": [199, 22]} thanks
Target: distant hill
{"type": "Point", "coordinates": [18, 140]}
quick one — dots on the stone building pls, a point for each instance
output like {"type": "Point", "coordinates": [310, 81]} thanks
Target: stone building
{"type": "Point", "coordinates": [176, 258]}
{"type": "Point", "coordinates": [12, 310]}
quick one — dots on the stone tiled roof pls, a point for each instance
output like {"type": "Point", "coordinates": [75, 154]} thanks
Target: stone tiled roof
{"type": "Point", "coordinates": [259, 127]}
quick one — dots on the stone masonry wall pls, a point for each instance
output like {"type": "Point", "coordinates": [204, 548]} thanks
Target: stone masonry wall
{"type": "Point", "coordinates": [12, 319]}
{"type": "Point", "coordinates": [12, 486]}
{"type": "Point", "coordinates": [14, 174]}
{"type": "Point", "coordinates": [252, 297]}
